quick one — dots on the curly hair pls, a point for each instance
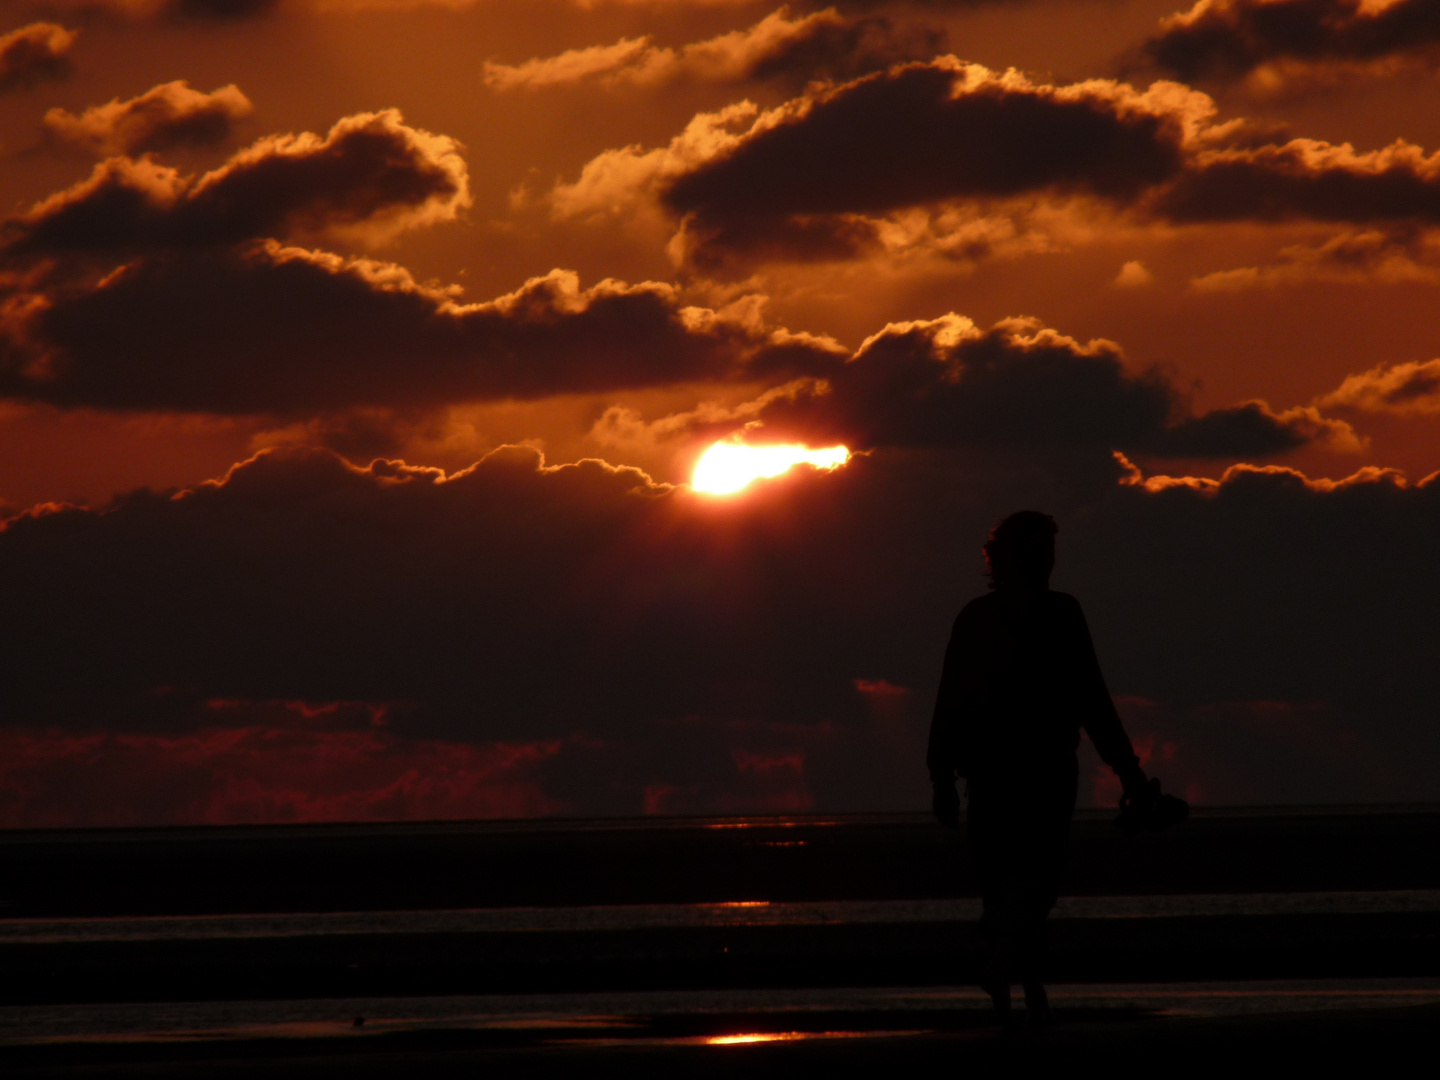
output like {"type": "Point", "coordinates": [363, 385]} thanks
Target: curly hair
{"type": "Point", "coordinates": [1021, 549]}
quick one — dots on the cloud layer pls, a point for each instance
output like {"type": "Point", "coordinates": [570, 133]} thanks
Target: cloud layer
{"type": "Point", "coordinates": [293, 332]}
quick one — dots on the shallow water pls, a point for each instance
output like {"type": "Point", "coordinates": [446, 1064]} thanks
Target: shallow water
{"type": "Point", "coordinates": [739, 913]}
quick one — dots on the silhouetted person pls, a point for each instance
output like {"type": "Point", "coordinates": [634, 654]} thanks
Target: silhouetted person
{"type": "Point", "coordinates": [1020, 681]}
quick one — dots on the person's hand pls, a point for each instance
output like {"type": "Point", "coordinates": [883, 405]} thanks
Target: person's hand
{"type": "Point", "coordinates": [945, 804]}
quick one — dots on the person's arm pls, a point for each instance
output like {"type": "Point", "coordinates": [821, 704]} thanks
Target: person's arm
{"type": "Point", "coordinates": [942, 755]}
{"type": "Point", "coordinates": [1097, 712]}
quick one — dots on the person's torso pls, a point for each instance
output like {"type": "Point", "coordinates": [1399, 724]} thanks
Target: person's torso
{"type": "Point", "coordinates": [1020, 677]}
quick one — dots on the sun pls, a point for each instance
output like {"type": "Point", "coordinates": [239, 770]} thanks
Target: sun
{"type": "Point", "coordinates": [729, 466]}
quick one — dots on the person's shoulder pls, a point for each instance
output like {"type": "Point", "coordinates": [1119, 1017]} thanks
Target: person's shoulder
{"type": "Point", "coordinates": [976, 610]}
{"type": "Point", "coordinates": [983, 603]}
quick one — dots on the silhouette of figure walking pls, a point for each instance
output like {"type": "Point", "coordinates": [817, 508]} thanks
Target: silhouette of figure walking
{"type": "Point", "coordinates": [1020, 681]}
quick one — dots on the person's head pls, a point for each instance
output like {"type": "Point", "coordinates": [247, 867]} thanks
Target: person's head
{"type": "Point", "coordinates": [1021, 551]}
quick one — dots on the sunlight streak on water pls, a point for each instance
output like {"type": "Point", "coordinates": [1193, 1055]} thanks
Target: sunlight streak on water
{"type": "Point", "coordinates": [748, 912]}
{"type": "Point", "coordinates": [641, 1016]}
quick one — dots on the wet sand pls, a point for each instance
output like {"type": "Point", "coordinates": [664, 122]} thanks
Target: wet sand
{"type": "Point", "coordinates": [1169, 1028]}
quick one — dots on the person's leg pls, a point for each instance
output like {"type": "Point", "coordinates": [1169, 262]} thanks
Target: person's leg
{"type": "Point", "coordinates": [1053, 808]}
{"type": "Point", "coordinates": [1031, 969]}
{"type": "Point", "coordinates": [986, 823]}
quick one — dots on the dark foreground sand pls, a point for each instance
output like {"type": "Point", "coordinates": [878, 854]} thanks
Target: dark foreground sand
{"type": "Point", "coordinates": [566, 949]}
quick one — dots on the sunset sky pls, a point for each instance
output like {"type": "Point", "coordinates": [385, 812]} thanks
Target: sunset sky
{"type": "Point", "coordinates": [356, 357]}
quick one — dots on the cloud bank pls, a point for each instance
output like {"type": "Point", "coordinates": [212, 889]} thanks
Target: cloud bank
{"type": "Point", "coordinates": [525, 606]}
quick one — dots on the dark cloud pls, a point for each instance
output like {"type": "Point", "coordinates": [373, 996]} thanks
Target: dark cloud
{"type": "Point", "coordinates": [221, 10]}
{"type": "Point", "coordinates": [488, 607]}
{"type": "Point", "coordinates": [172, 11]}
{"type": "Point", "coordinates": [1232, 38]}
{"type": "Point", "coordinates": [292, 332]}
{"type": "Point", "coordinates": [33, 54]}
{"type": "Point", "coordinates": [921, 133]}
{"type": "Point", "coordinates": [371, 173]}
{"type": "Point", "coordinates": [927, 131]}
{"type": "Point", "coordinates": [271, 329]}
{"type": "Point", "coordinates": [822, 45]}
{"type": "Point", "coordinates": [833, 173]}
{"type": "Point", "coordinates": [165, 116]}
{"type": "Point", "coordinates": [1021, 385]}
{"type": "Point", "coordinates": [1252, 430]}
{"type": "Point", "coordinates": [1305, 598]}
{"type": "Point", "coordinates": [1305, 179]}
{"type": "Point", "coordinates": [655, 648]}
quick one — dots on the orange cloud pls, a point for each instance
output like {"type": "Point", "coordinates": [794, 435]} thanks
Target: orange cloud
{"type": "Point", "coordinates": [824, 44]}
{"type": "Point", "coordinates": [34, 54]}
{"type": "Point", "coordinates": [1384, 256]}
{"type": "Point", "coordinates": [167, 115]}
{"type": "Point", "coordinates": [1407, 389]}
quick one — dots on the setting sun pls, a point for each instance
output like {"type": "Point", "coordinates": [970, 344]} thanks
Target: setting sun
{"type": "Point", "coordinates": [729, 466]}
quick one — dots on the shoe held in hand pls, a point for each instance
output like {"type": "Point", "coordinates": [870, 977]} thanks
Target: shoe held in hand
{"type": "Point", "coordinates": [1150, 810]}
